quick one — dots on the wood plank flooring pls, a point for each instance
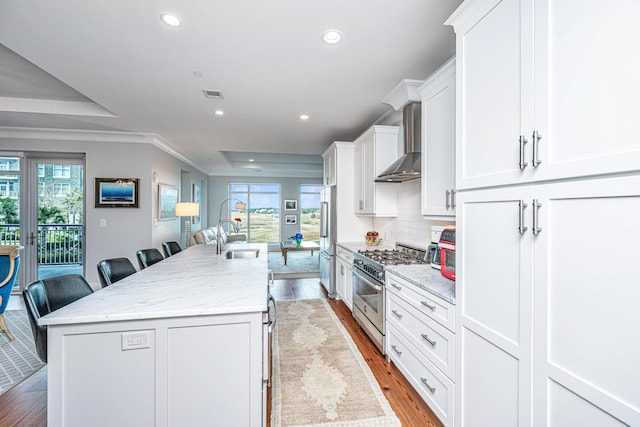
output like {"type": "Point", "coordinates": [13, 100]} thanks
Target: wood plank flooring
{"type": "Point", "coordinates": [26, 403]}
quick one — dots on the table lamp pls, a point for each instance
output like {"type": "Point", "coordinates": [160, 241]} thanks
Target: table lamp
{"type": "Point", "coordinates": [187, 210]}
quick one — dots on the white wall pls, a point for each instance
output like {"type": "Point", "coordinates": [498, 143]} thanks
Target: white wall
{"type": "Point", "coordinates": [409, 226]}
{"type": "Point", "coordinates": [111, 155]}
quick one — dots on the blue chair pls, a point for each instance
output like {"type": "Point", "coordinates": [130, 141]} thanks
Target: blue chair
{"type": "Point", "coordinates": [9, 264]}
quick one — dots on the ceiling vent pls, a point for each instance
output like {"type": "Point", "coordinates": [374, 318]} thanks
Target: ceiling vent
{"type": "Point", "coordinates": [216, 94]}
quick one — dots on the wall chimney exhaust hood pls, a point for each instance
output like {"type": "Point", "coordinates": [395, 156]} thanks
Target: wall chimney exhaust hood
{"type": "Point", "coordinates": [408, 166]}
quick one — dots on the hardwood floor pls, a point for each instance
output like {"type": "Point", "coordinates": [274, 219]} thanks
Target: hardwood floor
{"type": "Point", "coordinates": [26, 403]}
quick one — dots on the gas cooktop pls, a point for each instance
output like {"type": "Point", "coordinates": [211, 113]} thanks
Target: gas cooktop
{"type": "Point", "coordinates": [390, 257]}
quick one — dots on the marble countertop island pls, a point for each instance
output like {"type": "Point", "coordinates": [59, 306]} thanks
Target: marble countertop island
{"type": "Point", "coordinates": [194, 282]}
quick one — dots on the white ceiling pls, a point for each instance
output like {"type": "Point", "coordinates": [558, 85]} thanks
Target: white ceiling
{"type": "Point", "coordinates": [113, 65]}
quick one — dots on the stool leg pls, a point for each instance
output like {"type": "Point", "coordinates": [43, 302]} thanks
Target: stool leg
{"type": "Point", "coordinates": [5, 328]}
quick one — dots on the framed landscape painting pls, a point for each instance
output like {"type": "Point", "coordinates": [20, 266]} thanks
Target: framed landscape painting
{"type": "Point", "coordinates": [167, 199]}
{"type": "Point", "coordinates": [291, 219]}
{"type": "Point", "coordinates": [117, 193]}
{"type": "Point", "coordinates": [290, 205]}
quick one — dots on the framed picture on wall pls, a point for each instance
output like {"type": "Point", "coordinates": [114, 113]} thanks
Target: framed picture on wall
{"type": "Point", "coordinates": [291, 219]}
{"type": "Point", "coordinates": [117, 193]}
{"type": "Point", "coordinates": [291, 205]}
{"type": "Point", "coordinates": [167, 199]}
{"type": "Point", "coordinates": [195, 198]}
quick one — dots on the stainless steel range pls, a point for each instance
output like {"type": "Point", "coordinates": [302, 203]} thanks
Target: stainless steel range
{"type": "Point", "coordinates": [368, 286]}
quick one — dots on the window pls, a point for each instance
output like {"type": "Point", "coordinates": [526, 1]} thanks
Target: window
{"type": "Point", "coordinates": [61, 189]}
{"type": "Point", "coordinates": [40, 171]}
{"type": "Point", "coordinates": [61, 171]}
{"type": "Point", "coordinates": [261, 219]}
{"type": "Point", "coordinates": [310, 211]}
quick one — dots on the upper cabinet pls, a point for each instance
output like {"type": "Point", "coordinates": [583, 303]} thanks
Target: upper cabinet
{"type": "Point", "coordinates": [374, 151]}
{"type": "Point", "coordinates": [329, 168]}
{"type": "Point", "coordinates": [545, 95]}
{"type": "Point", "coordinates": [438, 143]}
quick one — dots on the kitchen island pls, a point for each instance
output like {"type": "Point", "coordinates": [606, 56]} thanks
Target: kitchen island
{"type": "Point", "coordinates": [179, 343]}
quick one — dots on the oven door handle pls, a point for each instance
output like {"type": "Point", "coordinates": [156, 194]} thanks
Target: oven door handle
{"type": "Point", "coordinates": [368, 281]}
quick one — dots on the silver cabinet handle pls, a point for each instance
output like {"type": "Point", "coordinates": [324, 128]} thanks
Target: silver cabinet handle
{"type": "Point", "coordinates": [426, 304]}
{"type": "Point", "coordinates": [522, 163]}
{"type": "Point", "coordinates": [536, 140]}
{"type": "Point", "coordinates": [521, 206]}
{"type": "Point", "coordinates": [397, 314]}
{"type": "Point", "coordinates": [396, 286]}
{"type": "Point", "coordinates": [426, 383]}
{"type": "Point", "coordinates": [446, 198]}
{"type": "Point", "coordinates": [271, 279]}
{"type": "Point", "coordinates": [453, 199]}
{"type": "Point", "coordinates": [426, 338]}
{"type": "Point", "coordinates": [396, 350]}
{"type": "Point", "coordinates": [536, 206]}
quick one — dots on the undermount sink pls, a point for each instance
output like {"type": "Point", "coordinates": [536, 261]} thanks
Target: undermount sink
{"type": "Point", "coordinates": [242, 253]}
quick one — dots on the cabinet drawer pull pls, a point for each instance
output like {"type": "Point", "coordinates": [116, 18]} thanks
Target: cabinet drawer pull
{"type": "Point", "coordinates": [536, 206]}
{"type": "Point", "coordinates": [522, 163]}
{"type": "Point", "coordinates": [396, 350]}
{"type": "Point", "coordinates": [397, 314]}
{"type": "Point", "coordinates": [426, 338]}
{"type": "Point", "coordinates": [453, 199]}
{"type": "Point", "coordinates": [446, 198]}
{"type": "Point", "coordinates": [426, 304]}
{"type": "Point", "coordinates": [426, 383]}
{"type": "Point", "coordinates": [536, 139]}
{"type": "Point", "coordinates": [396, 286]}
{"type": "Point", "coordinates": [521, 206]}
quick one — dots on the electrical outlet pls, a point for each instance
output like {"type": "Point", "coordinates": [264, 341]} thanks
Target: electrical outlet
{"type": "Point", "coordinates": [135, 340]}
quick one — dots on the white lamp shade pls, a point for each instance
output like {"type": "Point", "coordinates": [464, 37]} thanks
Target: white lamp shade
{"type": "Point", "coordinates": [187, 209]}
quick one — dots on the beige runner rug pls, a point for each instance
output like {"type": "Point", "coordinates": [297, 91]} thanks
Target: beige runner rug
{"type": "Point", "coordinates": [319, 376]}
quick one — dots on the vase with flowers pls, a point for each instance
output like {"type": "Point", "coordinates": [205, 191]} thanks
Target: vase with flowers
{"type": "Point", "coordinates": [238, 223]}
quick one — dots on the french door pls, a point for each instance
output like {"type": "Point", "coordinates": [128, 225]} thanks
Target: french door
{"type": "Point", "coordinates": [42, 209]}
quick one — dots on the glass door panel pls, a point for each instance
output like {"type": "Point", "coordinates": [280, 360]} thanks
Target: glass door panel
{"type": "Point", "coordinates": [56, 222]}
{"type": "Point", "coordinates": [10, 204]}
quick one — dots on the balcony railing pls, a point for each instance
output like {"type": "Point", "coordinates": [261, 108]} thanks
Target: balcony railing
{"type": "Point", "coordinates": [58, 244]}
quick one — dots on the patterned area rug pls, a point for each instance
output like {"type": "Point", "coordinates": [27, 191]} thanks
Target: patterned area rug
{"type": "Point", "coordinates": [299, 265]}
{"type": "Point", "coordinates": [319, 376]}
{"type": "Point", "coordinates": [18, 358]}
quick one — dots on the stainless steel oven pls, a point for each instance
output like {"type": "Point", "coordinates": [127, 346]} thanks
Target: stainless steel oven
{"type": "Point", "coordinates": [369, 289]}
{"type": "Point", "coordinates": [368, 306]}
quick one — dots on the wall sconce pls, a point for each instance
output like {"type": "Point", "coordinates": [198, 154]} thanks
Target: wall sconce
{"type": "Point", "coordinates": [187, 210]}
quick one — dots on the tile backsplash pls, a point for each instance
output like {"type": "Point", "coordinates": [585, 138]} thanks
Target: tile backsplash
{"type": "Point", "coordinates": [409, 226]}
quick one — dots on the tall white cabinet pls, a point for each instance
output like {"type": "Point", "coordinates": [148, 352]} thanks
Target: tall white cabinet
{"type": "Point", "coordinates": [547, 333]}
{"type": "Point", "coordinates": [438, 95]}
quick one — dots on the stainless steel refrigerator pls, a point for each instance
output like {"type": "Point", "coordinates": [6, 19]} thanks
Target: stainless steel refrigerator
{"type": "Point", "coordinates": [328, 240]}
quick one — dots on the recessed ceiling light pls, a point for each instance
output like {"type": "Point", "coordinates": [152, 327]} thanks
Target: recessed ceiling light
{"type": "Point", "coordinates": [251, 160]}
{"type": "Point", "coordinates": [332, 37]}
{"type": "Point", "coordinates": [304, 117]}
{"type": "Point", "coordinates": [171, 19]}
{"type": "Point", "coordinates": [219, 113]}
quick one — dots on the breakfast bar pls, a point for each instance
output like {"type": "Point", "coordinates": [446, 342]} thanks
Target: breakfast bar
{"type": "Point", "coordinates": [178, 343]}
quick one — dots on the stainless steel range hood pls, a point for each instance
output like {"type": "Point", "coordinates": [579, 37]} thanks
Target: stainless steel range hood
{"type": "Point", "coordinates": [408, 166]}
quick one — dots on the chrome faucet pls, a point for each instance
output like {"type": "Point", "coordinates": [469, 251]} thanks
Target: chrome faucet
{"type": "Point", "coordinates": [219, 238]}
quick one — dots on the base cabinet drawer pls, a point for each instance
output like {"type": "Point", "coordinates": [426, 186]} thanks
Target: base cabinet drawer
{"type": "Point", "coordinates": [432, 339]}
{"type": "Point", "coordinates": [436, 308]}
{"type": "Point", "coordinates": [432, 385]}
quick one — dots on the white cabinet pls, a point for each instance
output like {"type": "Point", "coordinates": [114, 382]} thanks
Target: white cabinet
{"type": "Point", "coordinates": [374, 151]}
{"type": "Point", "coordinates": [344, 276]}
{"type": "Point", "coordinates": [580, 354]}
{"type": "Point", "coordinates": [438, 143]}
{"type": "Point", "coordinates": [421, 343]}
{"type": "Point", "coordinates": [546, 334]}
{"type": "Point", "coordinates": [526, 68]}
{"type": "Point", "coordinates": [329, 166]}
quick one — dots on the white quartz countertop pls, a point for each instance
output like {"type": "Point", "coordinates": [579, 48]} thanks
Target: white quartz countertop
{"type": "Point", "coordinates": [194, 282]}
{"type": "Point", "coordinates": [427, 278]}
{"type": "Point", "coordinates": [421, 275]}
